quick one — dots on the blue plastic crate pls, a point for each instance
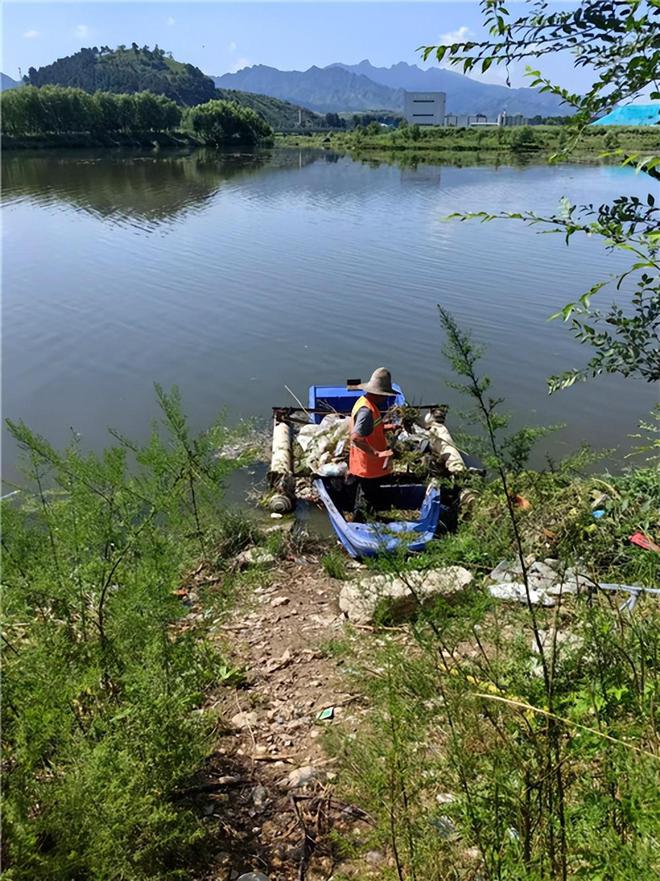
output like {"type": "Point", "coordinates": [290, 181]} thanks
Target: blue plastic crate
{"type": "Point", "coordinates": [338, 399]}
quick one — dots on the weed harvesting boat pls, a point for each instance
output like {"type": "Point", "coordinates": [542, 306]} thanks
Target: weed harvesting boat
{"type": "Point", "coordinates": [409, 510]}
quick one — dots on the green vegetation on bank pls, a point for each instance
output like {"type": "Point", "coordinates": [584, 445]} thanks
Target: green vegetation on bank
{"type": "Point", "coordinates": [130, 71]}
{"type": "Point", "coordinates": [104, 726]}
{"type": "Point", "coordinates": [219, 123]}
{"type": "Point", "coordinates": [541, 140]}
{"type": "Point", "coordinates": [510, 740]}
{"type": "Point", "coordinates": [55, 111]}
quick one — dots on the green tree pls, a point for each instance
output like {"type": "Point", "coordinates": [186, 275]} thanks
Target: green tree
{"type": "Point", "coordinates": [220, 123]}
{"type": "Point", "coordinates": [523, 139]}
{"type": "Point", "coordinates": [617, 40]}
{"type": "Point", "coordinates": [62, 110]}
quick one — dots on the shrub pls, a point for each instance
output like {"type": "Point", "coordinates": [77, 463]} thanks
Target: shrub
{"type": "Point", "coordinates": [220, 123]}
{"type": "Point", "coordinates": [99, 681]}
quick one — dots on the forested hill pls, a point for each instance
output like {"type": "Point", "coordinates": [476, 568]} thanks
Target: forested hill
{"type": "Point", "coordinates": [127, 70]}
{"type": "Point", "coordinates": [279, 114]}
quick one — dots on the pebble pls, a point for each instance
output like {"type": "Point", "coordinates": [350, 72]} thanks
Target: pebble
{"type": "Point", "coordinates": [279, 601]}
{"type": "Point", "coordinates": [244, 720]}
{"type": "Point", "coordinates": [259, 796]}
{"type": "Point", "coordinates": [301, 777]}
{"type": "Point", "coordinates": [374, 857]}
{"type": "Point", "coordinates": [253, 876]}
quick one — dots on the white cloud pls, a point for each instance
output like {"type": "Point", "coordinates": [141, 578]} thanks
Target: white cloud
{"type": "Point", "coordinates": [82, 31]}
{"type": "Point", "coordinates": [240, 64]}
{"type": "Point", "coordinates": [232, 46]}
{"type": "Point", "coordinates": [170, 21]}
{"type": "Point", "coordinates": [460, 35]}
{"type": "Point", "coordinates": [31, 35]}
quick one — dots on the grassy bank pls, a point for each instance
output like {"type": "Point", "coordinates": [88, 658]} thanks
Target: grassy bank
{"type": "Point", "coordinates": [507, 741]}
{"type": "Point", "coordinates": [104, 675]}
{"type": "Point", "coordinates": [471, 751]}
{"type": "Point", "coordinates": [538, 140]}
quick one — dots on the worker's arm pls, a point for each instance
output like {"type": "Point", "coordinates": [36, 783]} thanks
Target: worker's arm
{"type": "Point", "coordinates": [366, 447]}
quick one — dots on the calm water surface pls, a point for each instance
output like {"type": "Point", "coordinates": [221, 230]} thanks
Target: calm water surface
{"type": "Point", "coordinates": [233, 275]}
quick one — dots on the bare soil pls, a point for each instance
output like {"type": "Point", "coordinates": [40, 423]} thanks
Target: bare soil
{"type": "Point", "coordinates": [268, 787]}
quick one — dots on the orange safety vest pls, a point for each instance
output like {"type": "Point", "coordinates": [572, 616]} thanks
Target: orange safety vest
{"type": "Point", "coordinates": [361, 464]}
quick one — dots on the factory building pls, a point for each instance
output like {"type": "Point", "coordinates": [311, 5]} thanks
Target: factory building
{"type": "Point", "coordinates": [425, 108]}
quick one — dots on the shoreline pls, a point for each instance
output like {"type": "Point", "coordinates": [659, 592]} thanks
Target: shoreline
{"type": "Point", "coordinates": [486, 145]}
{"type": "Point", "coordinates": [544, 141]}
{"type": "Point", "coordinates": [85, 140]}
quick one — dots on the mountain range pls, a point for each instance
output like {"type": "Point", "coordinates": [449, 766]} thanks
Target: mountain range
{"type": "Point", "coordinates": [6, 82]}
{"type": "Point", "coordinates": [335, 88]}
{"type": "Point", "coordinates": [347, 87]}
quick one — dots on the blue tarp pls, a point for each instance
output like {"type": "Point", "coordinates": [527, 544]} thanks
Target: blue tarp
{"type": "Point", "coordinates": [632, 114]}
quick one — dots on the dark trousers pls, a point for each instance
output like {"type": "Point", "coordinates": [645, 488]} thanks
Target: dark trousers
{"type": "Point", "coordinates": [366, 498]}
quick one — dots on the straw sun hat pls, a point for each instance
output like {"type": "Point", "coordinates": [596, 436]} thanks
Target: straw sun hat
{"type": "Point", "coordinates": [380, 383]}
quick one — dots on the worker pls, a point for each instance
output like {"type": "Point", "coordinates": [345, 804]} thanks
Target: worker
{"type": "Point", "coordinates": [370, 457]}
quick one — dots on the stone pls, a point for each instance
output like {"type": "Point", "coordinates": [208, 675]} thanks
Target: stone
{"type": "Point", "coordinates": [260, 796]}
{"type": "Point", "coordinates": [541, 575]}
{"type": "Point", "coordinates": [252, 876]}
{"type": "Point", "coordinates": [506, 570]}
{"type": "Point", "coordinates": [255, 557]}
{"type": "Point", "coordinates": [565, 641]}
{"type": "Point", "coordinates": [244, 720]}
{"type": "Point", "coordinates": [374, 857]}
{"type": "Point", "coordinates": [363, 601]}
{"type": "Point", "coordinates": [301, 777]}
{"type": "Point", "coordinates": [514, 591]}
{"type": "Point", "coordinates": [570, 583]}
{"type": "Point", "coordinates": [279, 601]}
{"type": "Point", "coordinates": [279, 663]}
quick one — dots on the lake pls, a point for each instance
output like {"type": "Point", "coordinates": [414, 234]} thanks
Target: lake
{"type": "Point", "coordinates": [233, 275]}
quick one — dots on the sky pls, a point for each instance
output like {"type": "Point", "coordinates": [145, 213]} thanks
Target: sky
{"type": "Point", "coordinates": [221, 37]}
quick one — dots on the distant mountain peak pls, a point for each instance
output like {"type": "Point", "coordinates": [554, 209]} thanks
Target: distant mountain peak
{"type": "Point", "coordinates": [363, 86]}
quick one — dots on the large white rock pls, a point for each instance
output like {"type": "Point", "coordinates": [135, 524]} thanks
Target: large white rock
{"type": "Point", "coordinates": [514, 591]}
{"type": "Point", "coordinates": [396, 596]}
{"type": "Point", "coordinates": [255, 557]}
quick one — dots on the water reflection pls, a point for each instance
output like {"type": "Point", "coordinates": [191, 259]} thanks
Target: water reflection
{"type": "Point", "coordinates": [133, 188]}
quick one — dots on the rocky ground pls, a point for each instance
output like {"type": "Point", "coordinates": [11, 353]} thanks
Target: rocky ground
{"type": "Point", "coordinates": [268, 787]}
{"type": "Point", "coordinates": [269, 781]}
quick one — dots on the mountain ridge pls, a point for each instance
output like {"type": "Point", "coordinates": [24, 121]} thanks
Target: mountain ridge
{"type": "Point", "coordinates": [363, 86]}
{"type": "Point", "coordinates": [6, 82]}
{"type": "Point", "coordinates": [321, 89]}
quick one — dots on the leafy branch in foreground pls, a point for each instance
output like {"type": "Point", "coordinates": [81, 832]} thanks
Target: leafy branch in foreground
{"type": "Point", "coordinates": [625, 341]}
{"type": "Point", "coordinates": [619, 42]}
{"type": "Point", "coordinates": [616, 39]}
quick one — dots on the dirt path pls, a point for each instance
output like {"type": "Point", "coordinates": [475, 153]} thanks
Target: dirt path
{"type": "Point", "coordinates": [270, 782]}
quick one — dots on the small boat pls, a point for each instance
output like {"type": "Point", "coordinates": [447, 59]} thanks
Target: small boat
{"type": "Point", "coordinates": [338, 496]}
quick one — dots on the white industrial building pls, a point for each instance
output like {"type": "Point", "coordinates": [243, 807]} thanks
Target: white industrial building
{"type": "Point", "coordinates": [425, 108]}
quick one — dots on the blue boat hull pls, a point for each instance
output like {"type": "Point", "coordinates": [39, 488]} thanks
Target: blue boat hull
{"type": "Point", "coordinates": [378, 537]}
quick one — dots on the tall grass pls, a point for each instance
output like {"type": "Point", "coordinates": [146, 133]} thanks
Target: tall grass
{"type": "Point", "coordinates": [100, 682]}
{"type": "Point", "coordinates": [518, 742]}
